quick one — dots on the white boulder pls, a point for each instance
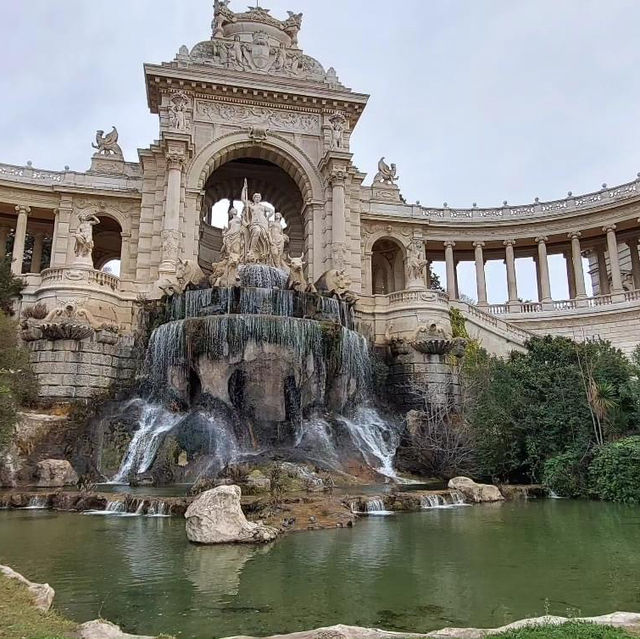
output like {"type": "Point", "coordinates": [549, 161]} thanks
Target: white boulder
{"type": "Point", "coordinates": [55, 473]}
{"type": "Point", "coordinates": [98, 629]}
{"type": "Point", "coordinates": [475, 493]}
{"type": "Point", "coordinates": [216, 517]}
{"type": "Point", "coordinates": [43, 594]}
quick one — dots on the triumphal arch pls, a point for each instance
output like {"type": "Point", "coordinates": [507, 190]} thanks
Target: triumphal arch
{"type": "Point", "coordinates": [249, 112]}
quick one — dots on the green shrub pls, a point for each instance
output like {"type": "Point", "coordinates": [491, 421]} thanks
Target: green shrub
{"type": "Point", "coordinates": [614, 473]}
{"type": "Point", "coordinates": [566, 474]}
{"type": "Point", "coordinates": [10, 286]}
{"type": "Point", "coordinates": [571, 630]}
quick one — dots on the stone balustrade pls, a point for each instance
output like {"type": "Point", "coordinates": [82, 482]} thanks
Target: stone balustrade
{"type": "Point", "coordinates": [53, 277]}
{"type": "Point", "coordinates": [572, 203]}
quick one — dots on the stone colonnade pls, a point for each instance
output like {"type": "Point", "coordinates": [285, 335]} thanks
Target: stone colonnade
{"type": "Point", "coordinates": [610, 280]}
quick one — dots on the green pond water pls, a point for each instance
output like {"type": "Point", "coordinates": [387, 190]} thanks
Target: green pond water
{"type": "Point", "coordinates": [481, 566]}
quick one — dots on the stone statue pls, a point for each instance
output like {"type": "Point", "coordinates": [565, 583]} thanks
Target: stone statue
{"type": "Point", "coordinates": [297, 280]}
{"type": "Point", "coordinates": [386, 174]}
{"type": "Point", "coordinates": [107, 144]}
{"type": "Point", "coordinates": [257, 222]}
{"type": "Point", "coordinates": [84, 235]}
{"type": "Point", "coordinates": [388, 330]}
{"type": "Point", "coordinates": [178, 108]}
{"type": "Point", "coordinates": [234, 236]}
{"type": "Point", "coordinates": [278, 241]}
{"type": "Point", "coordinates": [292, 26]}
{"type": "Point", "coordinates": [188, 272]}
{"type": "Point", "coordinates": [338, 126]}
{"type": "Point", "coordinates": [416, 265]}
{"type": "Point", "coordinates": [336, 283]}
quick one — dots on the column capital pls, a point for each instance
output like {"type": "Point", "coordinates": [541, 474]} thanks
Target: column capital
{"type": "Point", "coordinates": [23, 208]}
{"type": "Point", "coordinates": [574, 235]}
{"type": "Point", "coordinates": [175, 159]}
{"type": "Point", "coordinates": [632, 241]}
{"type": "Point", "coordinates": [479, 244]}
{"type": "Point", "coordinates": [449, 244]}
{"type": "Point", "coordinates": [509, 242]}
{"type": "Point", "coordinates": [542, 239]}
{"type": "Point", "coordinates": [337, 177]}
{"type": "Point", "coordinates": [609, 228]}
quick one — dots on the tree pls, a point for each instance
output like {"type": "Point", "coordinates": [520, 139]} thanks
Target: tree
{"type": "Point", "coordinates": [10, 286]}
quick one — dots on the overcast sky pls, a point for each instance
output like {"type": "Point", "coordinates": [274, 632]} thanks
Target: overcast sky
{"type": "Point", "coordinates": [474, 100]}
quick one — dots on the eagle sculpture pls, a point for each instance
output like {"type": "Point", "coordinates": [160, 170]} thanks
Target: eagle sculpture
{"type": "Point", "coordinates": [107, 144]}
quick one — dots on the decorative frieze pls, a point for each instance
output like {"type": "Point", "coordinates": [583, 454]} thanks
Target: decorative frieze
{"type": "Point", "coordinates": [257, 116]}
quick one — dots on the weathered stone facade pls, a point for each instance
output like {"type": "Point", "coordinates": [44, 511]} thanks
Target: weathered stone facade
{"type": "Point", "coordinates": [249, 104]}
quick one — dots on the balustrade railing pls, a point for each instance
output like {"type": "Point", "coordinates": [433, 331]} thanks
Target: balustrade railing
{"type": "Point", "coordinates": [77, 275]}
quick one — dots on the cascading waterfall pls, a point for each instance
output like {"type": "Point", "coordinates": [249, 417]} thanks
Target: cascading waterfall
{"type": "Point", "coordinates": [429, 502]}
{"type": "Point", "coordinates": [155, 422]}
{"type": "Point", "coordinates": [37, 503]}
{"type": "Point", "coordinates": [375, 438]}
{"type": "Point", "coordinates": [210, 352]}
{"type": "Point", "coordinates": [158, 509]}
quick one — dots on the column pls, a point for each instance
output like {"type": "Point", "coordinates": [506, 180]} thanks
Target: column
{"type": "Point", "coordinates": [18, 242]}
{"type": "Point", "coordinates": [455, 278]}
{"type": "Point", "coordinates": [4, 234]}
{"type": "Point", "coordinates": [481, 280]}
{"type": "Point", "coordinates": [571, 280]}
{"type": "Point", "coordinates": [510, 261]}
{"type": "Point", "coordinates": [338, 219]}
{"type": "Point", "coordinates": [578, 270]}
{"type": "Point", "coordinates": [36, 254]}
{"type": "Point", "coordinates": [603, 275]}
{"type": "Point", "coordinates": [614, 259]}
{"type": "Point", "coordinates": [451, 269]}
{"type": "Point", "coordinates": [543, 270]}
{"type": "Point", "coordinates": [536, 263]}
{"type": "Point", "coordinates": [635, 261]}
{"type": "Point", "coordinates": [170, 232]}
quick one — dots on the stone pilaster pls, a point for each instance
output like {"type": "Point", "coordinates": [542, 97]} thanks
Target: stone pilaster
{"type": "Point", "coordinates": [170, 235]}
{"type": "Point", "coordinates": [632, 243]}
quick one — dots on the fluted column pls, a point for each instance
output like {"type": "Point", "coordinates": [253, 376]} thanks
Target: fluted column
{"type": "Point", "coordinates": [19, 240]}
{"type": "Point", "coordinates": [614, 258]}
{"type": "Point", "coordinates": [4, 234]}
{"type": "Point", "coordinates": [170, 230]}
{"type": "Point", "coordinates": [578, 270]}
{"type": "Point", "coordinates": [481, 280]}
{"type": "Point", "coordinates": [338, 219]}
{"type": "Point", "coordinates": [543, 270]}
{"type": "Point", "coordinates": [451, 269]}
{"type": "Point", "coordinates": [510, 261]}
{"type": "Point", "coordinates": [632, 243]}
{"type": "Point", "coordinates": [603, 275]}
{"type": "Point", "coordinates": [36, 254]}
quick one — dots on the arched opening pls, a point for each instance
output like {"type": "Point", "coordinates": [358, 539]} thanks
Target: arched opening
{"type": "Point", "coordinates": [387, 267]}
{"type": "Point", "coordinates": [107, 245]}
{"type": "Point", "coordinates": [278, 189]}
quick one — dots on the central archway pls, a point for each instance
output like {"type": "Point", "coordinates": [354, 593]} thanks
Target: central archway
{"type": "Point", "coordinates": [282, 173]}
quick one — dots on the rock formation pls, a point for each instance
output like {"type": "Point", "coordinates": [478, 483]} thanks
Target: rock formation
{"type": "Point", "coordinates": [54, 473]}
{"type": "Point", "coordinates": [42, 593]}
{"type": "Point", "coordinates": [216, 517]}
{"type": "Point", "coordinates": [475, 493]}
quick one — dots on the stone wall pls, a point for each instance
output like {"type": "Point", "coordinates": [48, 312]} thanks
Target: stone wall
{"type": "Point", "coordinates": [70, 369]}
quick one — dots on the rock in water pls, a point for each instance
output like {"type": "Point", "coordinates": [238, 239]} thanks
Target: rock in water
{"type": "Point", "coordinates": [42, 593]}
{"type": "Point", "coordinates": [473, 492]}
{"type": "Point", "coordinates": [99, 629]}
{"type": "Point", "coordinates": [55, 473]}
{"type": "Point", "coordinates": [216, 517]}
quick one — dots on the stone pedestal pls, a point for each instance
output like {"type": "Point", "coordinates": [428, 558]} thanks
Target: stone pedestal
{"type": "Point", "coordinates": [107, 164]}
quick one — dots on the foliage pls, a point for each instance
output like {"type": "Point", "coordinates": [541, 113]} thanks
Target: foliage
{"type": "Point", "coordinates": [20, 618]}
{"type": "Point", "coordinates": [434, 281]}
{"type": "Point", "coordinates": [566, 474]}
{"type": "Point", "coordinates": [37, 311]}
{"type": "Point", "coordinates": [458, 324]}
{"type": "Point", "coordinates": [558, 396]}
{"type": "Point", "coordinates": [571, 630]}
{"type": "Point", "coordinates": [18, 383]}
{"type": "Point", "coordinates": [10, 286]}
{"type": "Point", "coordinates": [615, 471]}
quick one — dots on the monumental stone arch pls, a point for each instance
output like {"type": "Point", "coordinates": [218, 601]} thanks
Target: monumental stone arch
{"type": "Point", "coordinates": [249, 104]}
{"type": "Point", "coordinates": [284, 175]}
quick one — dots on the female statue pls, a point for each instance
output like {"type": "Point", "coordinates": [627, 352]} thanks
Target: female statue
{"type": "Point", "coordinates": [278, 240]}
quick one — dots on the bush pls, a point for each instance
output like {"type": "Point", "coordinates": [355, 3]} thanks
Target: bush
{"type": "Point", "coordinates": [10, 286]}
{"type": "Point", "coordinates": [614, 473]}
{"type": "Point", "coordinates": [566, 474]}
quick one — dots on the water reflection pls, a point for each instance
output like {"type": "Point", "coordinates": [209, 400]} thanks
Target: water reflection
{"type": "Point", "coordinates": [480, 566]}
